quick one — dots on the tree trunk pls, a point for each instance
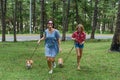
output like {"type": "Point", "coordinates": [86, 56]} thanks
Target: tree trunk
{"type": "Point", "coordinates": [64, 17]}
{"type": "Point", "coordinates": [3, 17]}
{"type": "Point", "coordinates": [77, 12]}
{"type": "Point", "coordinates": [67, 15]}
{"type": "Point", "coordinates": [34, 16]}
{"type": "Point", "coordinates": [72, 21]}
{"type": "Point", "coordinates": [17, 13]}
{"type": "Point", "coordinates": [42, 19]}
{"type": "Point", "coordinates": [53, 9]}
{"type": "Point", "coordinates": [21, 18]}
{"type": "Point", "coordinates": [94, 20]}
{"type": "Point", "coordinates": [115, 46]}
{"type": "Point", "coordinates": [14, 23]}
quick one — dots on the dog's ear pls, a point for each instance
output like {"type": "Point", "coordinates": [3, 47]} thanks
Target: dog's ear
{"type": "Point", "coordinates": [31, 61]}
{"type": "Point", "coordinates": [60, 60]}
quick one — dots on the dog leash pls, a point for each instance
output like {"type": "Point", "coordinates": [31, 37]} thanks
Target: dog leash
{"type": "Point", "coordinates": [68, 54]}
{"type": "Point", "coordinates": [34, 51]}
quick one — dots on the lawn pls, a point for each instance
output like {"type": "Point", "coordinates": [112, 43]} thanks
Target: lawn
{"type": "Point", "coordinates": [96, 63]}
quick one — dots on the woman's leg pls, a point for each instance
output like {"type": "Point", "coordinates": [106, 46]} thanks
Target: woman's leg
{"type": "Point", "coordinates": [49, 63]}
{"type": "Point", "coordinates": [53, 59]}
{"type": "Point", "coordinates": [53, 62]}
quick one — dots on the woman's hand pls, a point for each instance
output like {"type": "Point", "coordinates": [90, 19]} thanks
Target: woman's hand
{"type": "Point", "coordinates": [41, 39]}
{"type": "Point", "coordinates": [38, 41]}
{"type": "Point", "coordinates": [60, 50]}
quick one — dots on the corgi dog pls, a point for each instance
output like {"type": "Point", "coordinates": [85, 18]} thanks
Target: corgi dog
{"type": "Point", "coordinates": [29, 64]}
{"type": "Point", "coordinates": [60, 62]}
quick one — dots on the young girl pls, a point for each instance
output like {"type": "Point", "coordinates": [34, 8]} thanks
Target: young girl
{"type": "Point", "coordinates": [79, 37]}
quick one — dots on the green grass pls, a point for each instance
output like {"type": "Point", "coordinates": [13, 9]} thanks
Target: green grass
{"type": "Point", "coordinates": [96, 63]}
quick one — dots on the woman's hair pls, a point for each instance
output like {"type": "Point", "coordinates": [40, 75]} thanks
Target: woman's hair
{"type": "Point", "coordinates": [50, 22]}
{"type": "Point", "coordinates": [80, 26]}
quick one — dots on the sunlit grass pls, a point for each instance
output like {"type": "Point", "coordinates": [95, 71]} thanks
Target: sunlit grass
{"type": "Point", "coordinates": [96, 63]}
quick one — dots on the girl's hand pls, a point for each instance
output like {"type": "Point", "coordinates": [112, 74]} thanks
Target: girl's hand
{"type": "Point", "coordinates": [74, 39]}
{"type": "Point", "coordinates": [82, 43]}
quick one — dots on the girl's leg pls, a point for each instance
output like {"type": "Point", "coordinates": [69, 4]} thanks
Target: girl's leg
{"type": "Point", "coordinates": [81, 51]}
{"type": "Point", "coordinates": [78, 57]}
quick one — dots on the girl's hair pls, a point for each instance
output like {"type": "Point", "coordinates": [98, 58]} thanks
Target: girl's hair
{"type": "Point", "coordinates": [80, 26]}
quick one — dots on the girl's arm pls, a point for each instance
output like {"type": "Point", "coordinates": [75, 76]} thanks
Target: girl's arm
{"type": "Point", "coordinates": [73, 36]}
{"type": "Point", "coordinates": [84, 38]}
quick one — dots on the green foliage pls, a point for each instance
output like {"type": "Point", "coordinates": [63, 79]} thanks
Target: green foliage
{"type": "Point", "coordinates": [87, 27]}
{"type": "Point", "coordinates": [96, 63]}
{"type": "Point", "coordinates": [107, 10]}
{"type": "Point", "coordinates": [98, 40]}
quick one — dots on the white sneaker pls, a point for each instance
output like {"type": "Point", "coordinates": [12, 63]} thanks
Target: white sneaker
{"type": "Point", "coordinates": [54, 65]}
{"type": "Point", "coordinates": [51, 71]}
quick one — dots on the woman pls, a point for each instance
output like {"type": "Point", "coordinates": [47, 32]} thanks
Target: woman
{"type": "Point", "coordinates": [79, 37]}
{"type": "Point", "coordinates": [52, 44]}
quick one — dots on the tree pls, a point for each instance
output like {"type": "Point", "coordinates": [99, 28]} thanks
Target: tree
{"type": "Point", "coordinates": [42, 18]}
{"type": "Point", "coordinates": [64, 21]}
{"type": "Point", "coordinates": [21, 17]}
{"type": "Point", "coordinates": [75, 12]}
{"type": "Point", "coordinates": [115, 46]}
{"type": "Point", "coordinates": [15, 20]}
{"type": "Point", "coordinates": [34, 15]}
{"type": "Point", "coordinates": [78, 19]}
{"type": "Point", "coordinates": [67, 15]}
{"type": "Point", "coordinates": [94, 19]}
{"type": "Point", "coordinates": [3, 16]}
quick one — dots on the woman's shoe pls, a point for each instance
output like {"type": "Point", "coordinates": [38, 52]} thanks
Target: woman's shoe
{"type": "Point", "coordinates": [51, 71]}
{"type": "Point", "coordinates": [54, 65]}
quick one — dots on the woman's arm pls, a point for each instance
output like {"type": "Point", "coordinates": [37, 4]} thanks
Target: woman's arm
{"type": "Point", "coordinates": [41, 39]}
{"type": "Point", "coordinates": [59, 44]}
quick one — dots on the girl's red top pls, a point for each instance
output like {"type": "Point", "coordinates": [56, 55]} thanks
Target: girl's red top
{"type": "Point", "coordinates": [79, 36]}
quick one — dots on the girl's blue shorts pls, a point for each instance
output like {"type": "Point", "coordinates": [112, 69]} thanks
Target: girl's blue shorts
{"type": "Point", "coordinates": [78, 45]}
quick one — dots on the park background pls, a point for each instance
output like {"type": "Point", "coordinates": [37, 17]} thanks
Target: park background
{"type": "Point", "coordinates": [29, 17]}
